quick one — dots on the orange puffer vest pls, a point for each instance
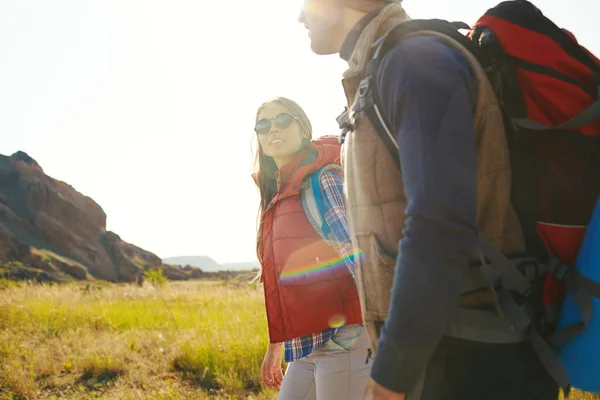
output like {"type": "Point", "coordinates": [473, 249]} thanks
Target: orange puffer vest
{"type": "Point", "coordinates": [307, 286]}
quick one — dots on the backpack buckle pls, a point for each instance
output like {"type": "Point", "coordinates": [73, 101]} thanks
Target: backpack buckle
{"type": "Point", "coordinates": [346, 124]}
{"type": "Point", "coordinates": [559, 269]}
{"type": "Point", "coordinates": [364, 95]}
{"type": "Point", "coordinates": [363, 87]}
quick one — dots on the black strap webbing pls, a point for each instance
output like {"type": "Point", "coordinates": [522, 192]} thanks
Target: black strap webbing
{"type": "Point", "coordinates": [449, 29]}
{"type": "Point", "coordinates": [587, 116]}
{"type": "Point", "coordinates": [519, 317]}
{"type": "Point", "coordinates": [387, 137]}
{"type": "Point", "coordinates": [512, 277]}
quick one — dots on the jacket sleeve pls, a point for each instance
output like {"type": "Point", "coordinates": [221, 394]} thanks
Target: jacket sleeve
{"type": "Point", "coordinates": [332, 188]}
{"type": "Point", "coordinates": [427, 93]}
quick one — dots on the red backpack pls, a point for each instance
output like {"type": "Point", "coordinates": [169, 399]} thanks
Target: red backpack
{"type": "Point", "coordinates": [548, 87]}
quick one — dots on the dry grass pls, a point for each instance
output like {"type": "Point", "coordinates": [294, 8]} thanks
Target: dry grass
{"type": "Point", "coordinates": [193, 340]}
{"type": "Point", "coordinates": [188, 340]}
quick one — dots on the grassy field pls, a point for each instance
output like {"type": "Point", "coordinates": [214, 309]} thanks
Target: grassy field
{"type": "Point", "coordinates": [187, 340]}
{"type": "Point", "coordinates": [193, 340]}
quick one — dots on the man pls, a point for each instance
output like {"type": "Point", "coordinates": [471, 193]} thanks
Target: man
{"type": "Point", "coordinates": [417, 226]}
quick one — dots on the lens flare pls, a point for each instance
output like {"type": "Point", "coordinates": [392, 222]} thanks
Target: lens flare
{"type": "Point", "coordinates": [289, 275]}
{"type": "Point", "coordinates": [337, 321]}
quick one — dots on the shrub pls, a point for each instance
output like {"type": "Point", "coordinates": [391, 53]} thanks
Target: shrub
{"type": "Point", "coordinates": [155, 277]}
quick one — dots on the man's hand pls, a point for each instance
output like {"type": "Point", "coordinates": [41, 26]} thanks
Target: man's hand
{"type": "Point", "coordinates": [378, 392]}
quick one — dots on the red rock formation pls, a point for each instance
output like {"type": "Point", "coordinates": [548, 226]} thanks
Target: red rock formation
{"type": "Point", "coordinates": [47, 224]}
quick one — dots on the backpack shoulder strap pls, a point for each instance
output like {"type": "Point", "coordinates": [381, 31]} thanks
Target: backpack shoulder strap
{"type": "Point", "coordinates": [590, 114]}
{"type": "Point", "coordinates": [313, 203]}
{"type": "Point", "coordinates": [368, 99]}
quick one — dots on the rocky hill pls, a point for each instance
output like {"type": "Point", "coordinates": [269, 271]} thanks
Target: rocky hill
{"type": "Point", "coordinates": [47, 226]}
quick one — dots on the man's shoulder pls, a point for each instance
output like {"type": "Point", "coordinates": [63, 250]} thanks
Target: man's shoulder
{"type": "Point", "coordinates": [422, 53]}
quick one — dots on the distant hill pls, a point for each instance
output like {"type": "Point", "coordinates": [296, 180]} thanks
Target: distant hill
{"type": "Point", "coordinates": [208, 264]}
{"type": "Point", "coordinates": [203, 262]}
{"type": "Point", "coordinates": [240, 266]}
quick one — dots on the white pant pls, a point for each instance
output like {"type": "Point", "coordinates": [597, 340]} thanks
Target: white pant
{"type": "Point", "coordinates": [335, 371]}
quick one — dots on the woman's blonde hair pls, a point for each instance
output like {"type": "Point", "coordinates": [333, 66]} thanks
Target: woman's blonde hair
{"type": "Point", "coordinates": [265, 167]}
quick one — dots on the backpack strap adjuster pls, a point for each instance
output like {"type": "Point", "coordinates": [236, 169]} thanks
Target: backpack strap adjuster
{"type": "Point", "coordinates": [364, 94]}
{"type": "Point", "coordinates": [561, 271]}
{"type": "Point", "coordinates": [346, 124]}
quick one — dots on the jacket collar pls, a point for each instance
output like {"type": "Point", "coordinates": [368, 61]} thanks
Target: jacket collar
{"type": "Point", "coordinates": [350, 42]}
{"type": "Point", "coordinates": [306, 156]}
{"type": "Point", "coordinates": [366, 32]}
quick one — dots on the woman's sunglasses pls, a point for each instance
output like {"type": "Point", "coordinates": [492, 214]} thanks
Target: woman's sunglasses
{"type": "Point", "coordinates": [282, 121]}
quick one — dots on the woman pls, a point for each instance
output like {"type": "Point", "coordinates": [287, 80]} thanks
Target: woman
{"type": "Point", "coordinates": [313, 310]}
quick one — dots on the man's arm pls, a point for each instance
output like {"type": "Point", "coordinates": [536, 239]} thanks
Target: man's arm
{"type": "Point", "coordinates": [427, 92]}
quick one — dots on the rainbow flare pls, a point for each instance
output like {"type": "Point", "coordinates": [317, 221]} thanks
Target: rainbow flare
{"type": "Point", "coordinates": [337, 321]}
{"type": "Point", "coordinates": [288, 275]}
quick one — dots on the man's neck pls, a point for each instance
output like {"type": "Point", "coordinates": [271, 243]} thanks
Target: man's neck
{"type": "Point", "coordinates": [358, 21]}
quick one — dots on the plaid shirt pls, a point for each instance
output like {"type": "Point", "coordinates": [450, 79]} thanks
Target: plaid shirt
{"type": "Point", "coordinates": [332, 188]}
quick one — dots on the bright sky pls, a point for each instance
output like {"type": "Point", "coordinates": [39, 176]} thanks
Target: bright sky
{"type": "Point", "coordinates": [147, 106]}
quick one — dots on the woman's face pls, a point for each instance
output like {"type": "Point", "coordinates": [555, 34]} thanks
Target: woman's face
{"type": "Point", "coordinates": [279, 133]}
